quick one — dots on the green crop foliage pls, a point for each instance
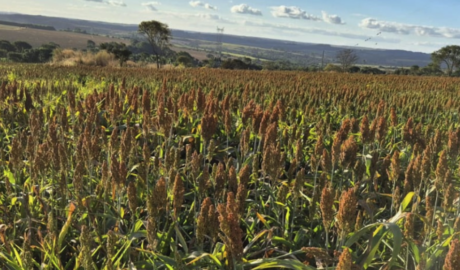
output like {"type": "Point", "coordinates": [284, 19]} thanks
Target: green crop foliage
{"type": "Point", "coordinates": [132, 168]}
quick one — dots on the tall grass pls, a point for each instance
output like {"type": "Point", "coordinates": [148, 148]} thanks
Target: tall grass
{"type": "Point", "coordinates": [67, 57]}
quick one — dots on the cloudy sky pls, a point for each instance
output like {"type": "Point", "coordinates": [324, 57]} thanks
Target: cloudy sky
{"type": "Point", "coordinates": [416, 25]}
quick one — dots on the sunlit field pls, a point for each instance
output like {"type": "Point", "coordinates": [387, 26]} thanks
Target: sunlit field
{"type": "Point", "coordinates": [110, 168]}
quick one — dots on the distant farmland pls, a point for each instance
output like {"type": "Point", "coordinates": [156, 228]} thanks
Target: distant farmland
{"type": "Point", "coordinates": [38, 37]}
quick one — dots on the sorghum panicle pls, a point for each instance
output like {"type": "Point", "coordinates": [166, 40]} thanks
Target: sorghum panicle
{"type": "Point", "coordinates": [452, 261]}
{"type": "Point", "coordinates": [345, 260]}
{"type": "Point", "coordinates": [326, 162]}
{"type": "Point", "coordinates": [270, 135]}
{"type": "Point", "coordinates": [393, 117]}
{"type": "Point", "coordinates": [202, 220]}
{"type": "Point", "coordinates": [409, 226]}
{"type": "Point", "coordinates": [364, 129]}
{"type": "Point", "coordinates": [381, 130]}
{"type": "Point", "coordinates": [132, 196]}
{"type": "Point", "coordinates": [441, 170]}
{"type": "Point", "coordinates": [326, 204]}
{"type": "Point", "coordinates": [111, 245]}
{"type": "Point", "coordinates": [348, 152]}
{"type": "Point", "coordinates": [457, 225]}
{"type": "Point", "coordinates": [220, 180]}
{"type": "Point", "coordinates": [230, 227]}
{"type": "Point", "coordinates": [178, 193]}
{"type": "Point", "coordinates": [346, 215]}
{"type": "Point", "coordinates": [232, 180]}
{"type": "Point", "coordinates": [439, 230]}
{"type": "Point", "coordinates": [319, 146]}
{"type": "Point", "coordinates": [85, 247]}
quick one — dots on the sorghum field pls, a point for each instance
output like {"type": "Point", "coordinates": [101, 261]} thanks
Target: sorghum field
{"type": "Point", "coordinates": [209, 169]}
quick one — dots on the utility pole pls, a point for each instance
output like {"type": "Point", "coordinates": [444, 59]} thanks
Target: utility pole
{"type": "Point", "coordinates": [220, 33]}
{"type": "Point", "coordinates": [322, 61]}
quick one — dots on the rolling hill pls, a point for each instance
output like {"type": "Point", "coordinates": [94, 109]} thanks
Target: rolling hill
{"type": "Point", "coordinates": [203, 43]}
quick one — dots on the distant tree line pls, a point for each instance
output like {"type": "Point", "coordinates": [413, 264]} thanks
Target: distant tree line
{"type": "Point", "coordinates": [246, 64]}
{"type": "Point", "coordinates": [447, 57]}
{"type": "Point", "coordinates": [23, 52]}
{"type": "Point", "coordinates": [444, 62]}
{"type": "Point", "coordinates": [27, 25]}
{"type": "Point", "coordinates": [76, 30]}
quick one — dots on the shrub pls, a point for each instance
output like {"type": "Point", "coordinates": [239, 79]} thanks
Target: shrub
{"type": "Point", "coordinates": [31, 56]}
{"type": "Point", "coordinates": [7, 46]}
{"type": "Point", "coordinates": [14, 57]}
{"type": "Point", "coordinates": [60, 55]}
{"type": "Point", "coordinates": [103, 58]}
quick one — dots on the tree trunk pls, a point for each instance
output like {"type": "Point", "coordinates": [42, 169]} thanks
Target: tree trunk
{"type": "Point", "coordinates": [158, 61]}
{"type": "Point", "coordinates": [450, 67]}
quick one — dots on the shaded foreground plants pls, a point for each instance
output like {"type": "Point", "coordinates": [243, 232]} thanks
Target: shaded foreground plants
{"type": "Point", "coordinates": [199, 169]}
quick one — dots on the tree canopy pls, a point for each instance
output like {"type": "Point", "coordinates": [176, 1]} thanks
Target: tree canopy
{"type": "Point", "coordinates": [158, 35]}
{"type": "Point", "coordinates": [346, 58]}
{"type": "Point", "coordinates": [7, 46]}
{"type": "Point", "coordinates": [21, 46]}
{"type": "Point", "coordinates": [448, 55]}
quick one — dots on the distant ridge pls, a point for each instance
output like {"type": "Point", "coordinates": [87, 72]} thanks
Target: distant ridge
{"type": "Point", "coordinates": [28, 25]}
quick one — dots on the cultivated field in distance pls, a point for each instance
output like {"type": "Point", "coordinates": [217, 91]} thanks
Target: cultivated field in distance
{"type": "Point", "coordinates": [37, 37]}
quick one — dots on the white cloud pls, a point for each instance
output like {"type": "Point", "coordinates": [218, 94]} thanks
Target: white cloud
{"type": "Point", "coordinates": [202, 4]}
{"type": "Point", "coordinates": [151, 5]}
{"type": "Point", "coordinates": [245, 9]}
{"type": "Point", "coordinates": [116, 3]}
{"type": "Point", "coordinates": [196, 3]}
{"type": "Point", "coordinates": [390, 27]}
{"type": "Point", "coordinates": [293, 13]}
{"type": "Point", "coordinates": [213, 17]}
{"type": "Point", "coordinates": [409, 29]}
{"type": "Point", "coordinates": [428, 44]}
{"type": "Point", "coordinates": [332, 19]}
{"type": "Point", "coordinates": [319, 31]}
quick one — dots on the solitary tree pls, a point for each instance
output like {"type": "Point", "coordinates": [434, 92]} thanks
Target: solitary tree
{"type": "Point", "coordinates": [91, 45]}
{"type": "Point", "coordinates": [185, 59]}
{"type": "Point", "coordinates": [158, 35]}
{"type": "Point", "coordinates": [449, 55]}
{"type": "Point", "coordinates": [346, 58]}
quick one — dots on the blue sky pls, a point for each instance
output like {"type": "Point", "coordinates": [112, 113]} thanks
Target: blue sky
{"type": "Point", "coordinates": [420, 25]}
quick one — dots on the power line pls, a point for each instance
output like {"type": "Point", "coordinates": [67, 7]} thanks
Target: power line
{"type": "Point", "coordinates": [220, 33]}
